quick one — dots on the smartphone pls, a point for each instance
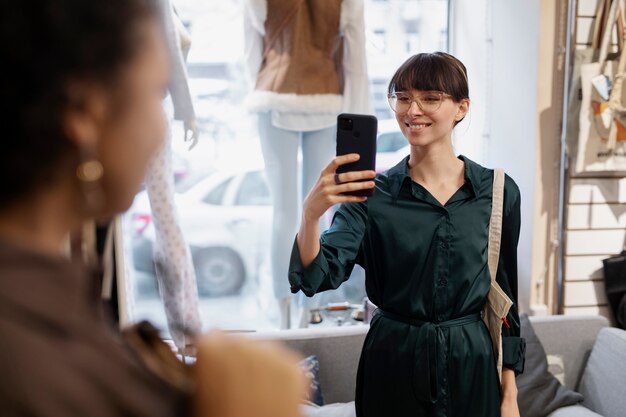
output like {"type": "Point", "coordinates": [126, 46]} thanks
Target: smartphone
{"type": "Point", "coordinates": [356, 133]}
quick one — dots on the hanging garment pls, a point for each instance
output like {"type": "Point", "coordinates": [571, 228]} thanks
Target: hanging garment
{"type": "Point", "coordinates": [602, 135]}
{"type": "Point", "coordinates": [174, 267]}
{"type": "Point", "coordinates": [172, 257]}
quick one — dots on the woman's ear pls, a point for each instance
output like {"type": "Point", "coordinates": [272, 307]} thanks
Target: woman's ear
{"type": "Point", "coordinates": [463, 109]}
{"type": "Point", "coordinates": [85, 115]}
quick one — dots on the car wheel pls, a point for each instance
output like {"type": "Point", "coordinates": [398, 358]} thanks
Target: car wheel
{"type": "Point", "coordinates": [219, 272]}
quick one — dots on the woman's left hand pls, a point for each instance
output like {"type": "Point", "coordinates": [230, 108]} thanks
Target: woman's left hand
{"type": "Point", "coordinates": [509, 408]}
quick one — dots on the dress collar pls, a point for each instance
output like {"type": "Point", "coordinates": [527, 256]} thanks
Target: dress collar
{"type": "Point", "coordinates": [399, 173]}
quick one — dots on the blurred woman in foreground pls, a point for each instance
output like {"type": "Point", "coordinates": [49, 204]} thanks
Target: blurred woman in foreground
{"type": "Point", "coordinates": [80, 110]}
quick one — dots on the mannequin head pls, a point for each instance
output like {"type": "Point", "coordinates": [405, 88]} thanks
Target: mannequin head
{"type": "Point", "coordinates": [84, 83]}
{"type": "Point", "coordinates": [440, 74]}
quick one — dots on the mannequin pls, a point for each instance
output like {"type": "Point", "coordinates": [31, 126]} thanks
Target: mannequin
{"type": "Point", "coordinates": [297, 100]}
{"type": "Point", "coordinates": [174, 267]}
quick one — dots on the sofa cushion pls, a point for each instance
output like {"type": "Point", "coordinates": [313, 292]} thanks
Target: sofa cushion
{"type": "Point", "coordinates": [574, 411]}
{"type": "Point", "coordinates": [603, 381]}
{"type": "Point", "coordinates": [338, 350]}
{"type": "Point", "coordinates": [556, 333]}
{"type": "Point", "coordinates": [539, 392]}
{"type": "Point", "coordinates": [331, 410]}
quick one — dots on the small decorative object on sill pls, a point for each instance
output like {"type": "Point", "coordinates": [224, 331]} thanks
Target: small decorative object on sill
{"type": "Point", "coordinates": [358, 314]}
{"type": "Point", "coordinates": [338, 306]}
{"type": "Point", "coordinates": [316, 317]}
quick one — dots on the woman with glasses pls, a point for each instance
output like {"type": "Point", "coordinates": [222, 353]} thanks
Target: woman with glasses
{"type": "Point", "coordinates": [422, 239]}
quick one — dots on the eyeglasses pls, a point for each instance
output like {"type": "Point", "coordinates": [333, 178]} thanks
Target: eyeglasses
{"type": "Point", "coordinates": [428, 101]}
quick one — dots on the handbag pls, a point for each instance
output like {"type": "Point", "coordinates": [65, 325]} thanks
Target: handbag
{"type": "Point", "coordinates": [614, 269]}
{"type": "Point", "coordinates": [158, 357]}
{"type": "Point", "coordinates": [602, 119]}
{"type": "Point", "coordinates": [498, 303]}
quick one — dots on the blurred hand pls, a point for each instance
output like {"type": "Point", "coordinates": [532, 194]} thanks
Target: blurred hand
{"type": "Point", "coordinates": [191, 127]}
{"type": "Point", "coordinates": [326, 192]}
{"type": "Point", "coordinates": [509, 408]}
{"type": "Point", "coordinates": [244, 378]}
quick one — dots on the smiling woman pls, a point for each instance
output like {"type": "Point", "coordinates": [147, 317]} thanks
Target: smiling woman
{"type": "Point", "coordinates": [422, 238]}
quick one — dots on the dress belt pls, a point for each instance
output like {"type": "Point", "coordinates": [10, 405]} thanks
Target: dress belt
{"type": "Point", "coordinates": [426, 356]}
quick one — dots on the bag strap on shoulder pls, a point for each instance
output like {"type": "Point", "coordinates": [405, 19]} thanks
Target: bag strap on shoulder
{"type": "Point", "coordinates": [495, 224]}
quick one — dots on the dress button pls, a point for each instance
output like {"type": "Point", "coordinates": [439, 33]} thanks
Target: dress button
{"type": "Point", "coordinates": [440, 317]}
{"type": "Point", "coordinates": [443, 245]}
{"type": "Point", "coordinates": [443, 282]}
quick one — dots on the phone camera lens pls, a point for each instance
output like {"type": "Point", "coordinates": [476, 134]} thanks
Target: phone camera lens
{"type": "Point", "coordinates": [345, 124]}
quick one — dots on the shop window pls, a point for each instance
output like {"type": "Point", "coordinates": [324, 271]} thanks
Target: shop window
{"type": "Point", "coordinates": [222, 197]}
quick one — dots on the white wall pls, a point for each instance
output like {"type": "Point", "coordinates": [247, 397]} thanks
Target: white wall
{"type": "Point", "coordinates": [498, 42]}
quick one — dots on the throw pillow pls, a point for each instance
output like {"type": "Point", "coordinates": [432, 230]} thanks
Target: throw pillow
{"type": "Point", "coordinates": [556, 367]}
{"type": "Point", "coordinates": [311, 368]}
{"type": "Point", "coordinates": [539, 392]}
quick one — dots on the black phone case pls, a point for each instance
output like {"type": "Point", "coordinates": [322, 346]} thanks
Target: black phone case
{"type": "Point", "coordinates": [361, 139]}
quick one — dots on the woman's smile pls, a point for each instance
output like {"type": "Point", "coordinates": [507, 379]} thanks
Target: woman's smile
{"type": "Point", "coordinates": [415, 126]}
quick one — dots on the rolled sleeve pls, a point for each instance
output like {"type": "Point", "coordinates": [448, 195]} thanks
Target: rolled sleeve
{"type": "Point", "coordinates": [339, 250]}
{"type": "Point", "coordinates": [306, 279]}
{"type": "Point", "coordinates": [513, 353]}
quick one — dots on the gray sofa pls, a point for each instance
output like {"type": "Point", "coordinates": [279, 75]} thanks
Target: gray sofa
{"type": "Point", "coordinates": [593, 358]}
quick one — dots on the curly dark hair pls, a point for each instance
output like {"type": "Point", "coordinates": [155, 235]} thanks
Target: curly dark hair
{"type": "Point", "coordinates": [45, 46]}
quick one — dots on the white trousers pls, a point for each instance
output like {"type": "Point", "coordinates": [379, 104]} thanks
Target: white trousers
{"type": "Point", "coordinates": [289, 183]}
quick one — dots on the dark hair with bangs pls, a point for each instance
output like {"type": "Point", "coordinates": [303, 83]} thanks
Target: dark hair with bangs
{"type": "Point", "coordinates": [436, 71]}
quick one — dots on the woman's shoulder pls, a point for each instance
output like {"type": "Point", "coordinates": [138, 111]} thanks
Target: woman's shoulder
{"type": "Point", "coordinates": [510, 186]}
{"type": "Point", "coordinates": [485, 175]}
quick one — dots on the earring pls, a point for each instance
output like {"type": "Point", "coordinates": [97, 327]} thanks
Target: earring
{"type": "Point", "coordinates": [89, 172]}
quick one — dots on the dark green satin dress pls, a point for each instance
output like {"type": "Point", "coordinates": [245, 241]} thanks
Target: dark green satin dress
{"type": "Point", "coordinates": [427, 353]}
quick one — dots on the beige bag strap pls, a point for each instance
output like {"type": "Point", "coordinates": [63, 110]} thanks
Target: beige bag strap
{"type": "Point", "coordinates": [495, 224]}
{"type": "Point", "coordinates": [498, 303]}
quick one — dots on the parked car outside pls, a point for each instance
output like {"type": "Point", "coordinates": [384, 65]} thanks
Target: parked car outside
{"type": "Point", "coordinates": [226, 220]}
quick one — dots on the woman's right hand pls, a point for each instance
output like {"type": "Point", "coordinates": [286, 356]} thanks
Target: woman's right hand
{"type": "Point", "coordinates": [327, 192]}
